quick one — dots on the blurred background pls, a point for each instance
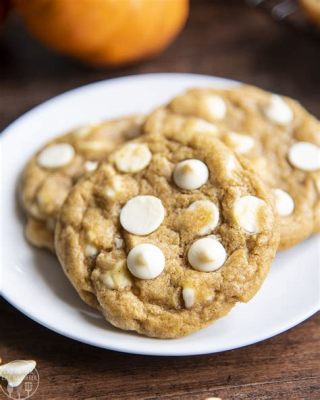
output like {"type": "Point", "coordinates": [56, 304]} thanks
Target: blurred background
{"type": "Point", "coordinates": [230, 38]}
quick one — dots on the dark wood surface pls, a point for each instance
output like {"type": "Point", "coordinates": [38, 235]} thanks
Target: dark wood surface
{"type": "Point", "coordinates": [223, 38]}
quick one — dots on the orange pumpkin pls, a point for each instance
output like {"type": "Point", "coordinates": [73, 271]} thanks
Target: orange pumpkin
{"type": "Point", "coordinates": [105, 32]}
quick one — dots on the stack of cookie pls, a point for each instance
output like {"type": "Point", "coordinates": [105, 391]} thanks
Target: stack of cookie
{"type": "Point", "coordinates": [164, 223]}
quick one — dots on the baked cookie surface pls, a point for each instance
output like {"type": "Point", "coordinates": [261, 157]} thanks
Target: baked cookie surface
{"type": "Point", "coordinates": [279, 137]}
{"type": "Point", "coordinates": [53, 170]}
{"type": "Point", "coordinates": [168, 234]}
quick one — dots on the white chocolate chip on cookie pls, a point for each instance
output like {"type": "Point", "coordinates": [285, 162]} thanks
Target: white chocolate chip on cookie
{"type": "Point", "coordinates": [278, 111]}
{"type": "Point", "coordinates": [90, 250]}
{"type": "Point", "coordinates": [90, 165]}
{"type": "Point", "coordinates": [198, 125]}
{"type": "Point", "coordinates": [210, 297]}
{"type": "Point", "coordinates": [114, 187]}
{"type": "Point", "coordinates": [142, 215]}
{"type": "Point", "coordinates": [188, 295]}
{"type": "Point", "coordinates": [117, 277]}
{"type": "Point", "coordinates": [214, 106]}
{"type": "Point", "coordinates": [190, 174]}
{"type": "Point", "coordinates": [231, 165]}
{"type": "Point", "coordinates": [132, 157]}
{"type": "Point", "coordinates": [119, 243]}
{"type": "Point", "coordinates": [249, 212]}
{"type": "Point", "coordinates": [284, 202]}
{"type": "Point", "coordinates": [206, 254]}
{"type": "Point", "coordinates": [56, 155]}
{"type": "Point", "coordinates": [211, 209]}
{"type": "Point", "coordinates": [305, 156]}
{"type": "Point", "coordinates": [146, 261]}
{"type": "Point", "coordinates": [238, 142]}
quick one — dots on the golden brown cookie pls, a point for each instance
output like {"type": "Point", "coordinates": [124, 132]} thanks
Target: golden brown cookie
{"type": "Point", "coordinates": [53, 170]}
{"type": "Point", "coordinates": [168, 234]}
{"type": "Point", "coordinates": [278, 136]}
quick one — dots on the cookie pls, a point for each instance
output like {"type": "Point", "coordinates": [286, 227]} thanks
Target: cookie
{"type": "Point", "coordinates": [279, 137]}
{"type": "Point", "coordinates": [311, 9]}
{"type": "Point", "coordinates": [53, 170]}
{"type": "Point", "coordinates": [168, 234]}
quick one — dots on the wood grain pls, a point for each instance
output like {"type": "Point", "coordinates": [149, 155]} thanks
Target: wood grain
{"type": "Point", "coordinates": [223, 38]}
{"type": "Point", "coordinates": [284, 367]}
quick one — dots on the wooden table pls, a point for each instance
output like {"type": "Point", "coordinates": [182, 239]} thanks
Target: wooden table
{"type": "Point", "coordinates": [223, 38]}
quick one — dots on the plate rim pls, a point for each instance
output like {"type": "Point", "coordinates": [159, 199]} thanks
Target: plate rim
{"type": "Point", "coordinates": [73, 91]}
{"type": "Point", "coordinates": [164, 353]}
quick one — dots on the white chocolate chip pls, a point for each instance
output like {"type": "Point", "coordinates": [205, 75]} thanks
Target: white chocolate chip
{"type": "Point", "coordinates": [116, 281]}
{"type": "Point", "coordinates": [142, 215]}
{"type": "Point", "coordinates": [284, 202]}
{"type": "Point", "coordinates": [231, 165]}
{"type": "Point", "coordinates": [118, 243]}
{"type": "Point", "coordinates": [238, 142]}
{"type": "Point", "coordinates": [117, 277]}
{"type": "Point", "coordinates": [56, 155]}
{"type": "Point", "coordinates": [188, 295]}
{"type": "Point", "coordinates": [90, 165]}
{"type": "Point", "coordinates": [214, 215]}
{"type": "Point", "coordinates": [190, 174]}
{"type": "Point", "coordinates": [278, 111]}
{"type": "Point", "coordinates": [214, 106]}
{"type": "Point", "coordinates": [110, 193]}
{"type": "Point", "coordinates": [198, 125]}
{"type": "Point", "coordinates": [90, 250]}
{"type": "Point", "coordinates": [305, 156]}
{"type": "Point", "coordinates": [132, 157]}
{"type": "Point", "coordinates": [206, 254]}
{"type": "Point", "coordinates": [35, 212]}
{"type": "Point", "coordinates": [114, 187]}
{"type": "Point", "coordinates": [247, 211]}
{"type": "Point", "coordinates": [15, 371]}
{"type": "Point", "coordinates": [210, 297]}
{"type": "Point", "coordinates": [146, 261]}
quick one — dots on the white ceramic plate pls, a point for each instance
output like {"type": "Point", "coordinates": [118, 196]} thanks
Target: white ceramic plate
{"type": "Point", "coordinates": [33, 282]}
